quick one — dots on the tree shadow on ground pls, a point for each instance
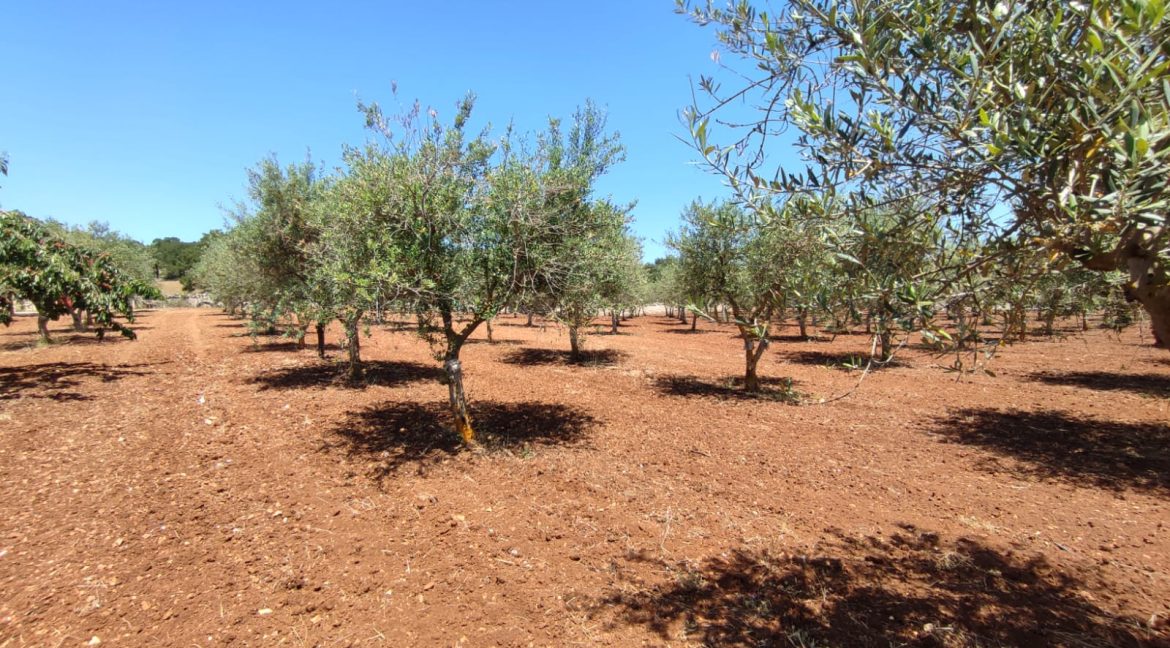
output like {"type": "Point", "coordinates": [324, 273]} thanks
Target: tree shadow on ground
{"type": "Point", "coordinates": [688, 331]}
{"type": "Point", "coordinates": [1146, 384]}
{"type": "Point", "coordinates": [1054, 445]}
{"type": "Point", "coordinates": [837, 360]}
{"type": "Point", "coordinates": [593, 357]}
{"type": "Point", "coordinates": [330, 374]}
{"type": "Point", "coordinates": [59, 381]}
{"type": "Point", "coordinates": [61, 338]}
{"type": "Point", "coordinates": [775, 389]}
{"type": "Point", "coordinates": [396, 434]}
{"type": "Point", "coordinates": [286, 347]}
{"type": "Point", "coordinates": [908, 590]}
{"type": "Point", "coordinates": [521, 323]}
{"type": "Point", "coordinates": [494, 342]}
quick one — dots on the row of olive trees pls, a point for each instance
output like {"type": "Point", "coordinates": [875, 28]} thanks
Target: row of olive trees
{"type": "Point", "coordinates": [449, 225]}
{"type": "Point", "coordinates": [884, 265]}
{"type": "Point", "coordinates": [1019, 139]}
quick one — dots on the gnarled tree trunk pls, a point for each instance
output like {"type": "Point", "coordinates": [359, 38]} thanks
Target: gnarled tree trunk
{"type": "Point", "coordinates": [458, 399]}
{"type": "Point", "coordinates": [320, 339]}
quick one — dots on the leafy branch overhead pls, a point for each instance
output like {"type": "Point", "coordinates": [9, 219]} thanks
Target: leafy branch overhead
{"type": "Point", "coordinates": [1045, 125]}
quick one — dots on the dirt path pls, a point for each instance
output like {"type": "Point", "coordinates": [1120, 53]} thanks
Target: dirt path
{"type": "Point", "coordinates": [195, 488]}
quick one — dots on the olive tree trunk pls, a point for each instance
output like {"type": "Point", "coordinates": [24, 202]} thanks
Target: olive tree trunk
{"type": "Point", "coordinates": [321, 340]}
{"type": "Point", "coordinates": [457, 398]}
{"type": "Point", "coordinates": [574, 345]}
{"type": "Point", "coordinates": [353, 348]}
{"type": "Point", "coordinates": [753, 351]}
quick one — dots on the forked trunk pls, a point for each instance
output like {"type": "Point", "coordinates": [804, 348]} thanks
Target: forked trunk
{"type": "Point", "coordinates": [752, 350]}
{"type": "Point", "coordinates": [78, 320]}
{"type": "Point", "coordinates": [574, 345]}
{"type": "Point", "coordinates": [458, 401]}
{"type": "Point", "coordinates": [682, 314]}
{"type": "Point", "coordinates": [320, 340]}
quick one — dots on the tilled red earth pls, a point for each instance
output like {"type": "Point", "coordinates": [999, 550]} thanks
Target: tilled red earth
{"type": "Point", "coordinates": [193, 488]}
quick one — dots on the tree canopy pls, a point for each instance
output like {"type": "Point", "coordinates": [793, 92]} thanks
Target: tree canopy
{"type": "Point", "coordinates": [1045, 125]}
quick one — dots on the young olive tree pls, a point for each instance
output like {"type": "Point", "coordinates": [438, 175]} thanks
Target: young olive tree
{"type": "Point", "coordinates": [355, 254]}
{"type": "Point", "coordinates": [725, 253]}
{"type": "Point", "coordinates": [278, 232]}
{"type": "Point", "coordinates": [476, 225]}
{"type": "Point", "coordinates": [594, 272]}
{"type": "Point", "coordinates": [589, 232]}
{"type": "Point", "coordinates": [882, 253]}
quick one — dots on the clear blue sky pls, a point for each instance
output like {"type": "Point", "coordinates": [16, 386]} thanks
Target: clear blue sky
{"type": "Point", "coordinates": [146, 114]}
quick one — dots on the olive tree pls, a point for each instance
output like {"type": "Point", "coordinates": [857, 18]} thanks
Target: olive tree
{"type": "Point", "coordinates": [1050, 119]}
{"type": "Point", "coordinates": [595, 272]}
{"type": "Point", "coordinates": [476, 225]}
{"type": "Point", "coordinates": [725, 254]}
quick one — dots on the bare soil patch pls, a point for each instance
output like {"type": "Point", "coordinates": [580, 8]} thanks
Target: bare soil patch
{"type": "Point", "coordinates": [195, 487]}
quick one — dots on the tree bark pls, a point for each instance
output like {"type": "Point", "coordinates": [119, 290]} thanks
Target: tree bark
{"type": "Point", "coordinates": [887, 345]}
{"type": "Point", "coordinates": [321, 340]}
{"type": "Point", "coordinates": [458, 400]}
{"type": "Point", "coordinates": [1157, 305]}
{"type": "Point", "coordinates": [43, 328]}
{"type": "Point", "coordinates": [353, 349]}
{"type": "Point", "coordinates": [574, 345]}
{"type": "Point", "coordinates": [682, 314]}
{"type": "Point", "coordinates": [694, 320]}
{"type": "Point", "coordinates": [529, 322]}
{"type": "Point", "coordinates": [613, 322]}
{"type": "Point", "coordinates": [753, 350]}
{"type": "Point", "coordinates": [78, 321]}
{"type": "Point", "coordinates": [489, 330]}
{"type": "Point", "coordinates": [802, 320]}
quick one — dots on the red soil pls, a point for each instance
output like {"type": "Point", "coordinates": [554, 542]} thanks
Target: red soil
{"type": "Point", "coordinates": [194, 488]}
